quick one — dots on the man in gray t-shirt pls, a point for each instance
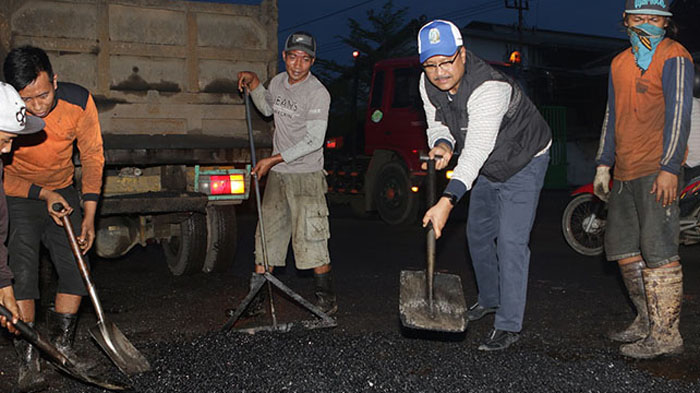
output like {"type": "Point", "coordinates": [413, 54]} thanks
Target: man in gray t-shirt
{"type": "Point", "coordinates": [294, 205]}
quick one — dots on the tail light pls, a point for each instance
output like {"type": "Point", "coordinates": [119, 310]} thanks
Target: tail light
{"type": "Point", "coordinates": [222, 184]}
{"type": "Point", "coordinates": [334, 143]}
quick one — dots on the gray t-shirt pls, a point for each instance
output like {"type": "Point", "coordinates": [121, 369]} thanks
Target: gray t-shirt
{"type": "Point", "coordinates": [301, 115]}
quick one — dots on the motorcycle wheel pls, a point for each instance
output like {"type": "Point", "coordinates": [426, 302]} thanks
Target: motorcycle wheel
{"type": "Point", "coordinates": [583, 227]}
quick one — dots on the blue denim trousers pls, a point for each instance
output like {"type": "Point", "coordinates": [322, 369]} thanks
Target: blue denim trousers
{"type": "Point", "coordinates": [501, 215]}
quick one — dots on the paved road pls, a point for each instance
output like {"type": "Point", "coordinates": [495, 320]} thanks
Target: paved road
{"type": "Point", "coordinates": [572, 302]}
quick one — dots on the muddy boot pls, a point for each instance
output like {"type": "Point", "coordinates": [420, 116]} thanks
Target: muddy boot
{"type": "Point", "coordinates": [62, 334]}
{"type": "Point", "coordinates": [30, 378]}
{"type": "Point", "coordinates": [664, 292]}
{"type": "Point", "coordinates": [257, 305]}
{"type": "Point", "coordinates": [639, 329]}
{"type": "Point", "coordinates": [325, 296]}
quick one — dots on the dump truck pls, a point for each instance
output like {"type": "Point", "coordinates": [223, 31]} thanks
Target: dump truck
{"type": "Point", "coordinates": [163, 76]}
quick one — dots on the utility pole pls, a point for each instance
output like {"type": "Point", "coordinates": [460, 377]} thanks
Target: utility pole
{"type": "Point", "coordinates": [520, 5]}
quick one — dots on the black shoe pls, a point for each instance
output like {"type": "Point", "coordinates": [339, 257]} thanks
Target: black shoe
{"type": "Point", "coordinates": [477, 312]}
{"type": "Point", "coordinates": [498, 340]}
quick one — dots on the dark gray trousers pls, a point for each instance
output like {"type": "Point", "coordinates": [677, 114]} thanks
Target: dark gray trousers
{"type": "Point", "coordinates": [501, 215]}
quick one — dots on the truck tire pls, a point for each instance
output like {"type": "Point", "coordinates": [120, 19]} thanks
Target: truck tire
{"type": "Point", "coordinates": [185, 252]}
{"type": "Point", "coordinates": [396, 203]}
{"type": "Point", "coordinates": [221, 238]}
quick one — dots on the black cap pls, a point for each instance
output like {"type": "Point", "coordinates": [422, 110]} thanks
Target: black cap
{"type": "Point", "coordinates": [302, 41]}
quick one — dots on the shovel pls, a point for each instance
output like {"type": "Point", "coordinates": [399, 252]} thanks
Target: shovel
{"type": "Point", "coordinates": [59, 360]}
{"type": "Point", "coordinates": [429, 300]}
{"type": "Point", "coordinates": [124, 355]}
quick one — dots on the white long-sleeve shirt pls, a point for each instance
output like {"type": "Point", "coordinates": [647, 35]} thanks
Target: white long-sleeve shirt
{"type": "Point", "coordinates": [486, 108]}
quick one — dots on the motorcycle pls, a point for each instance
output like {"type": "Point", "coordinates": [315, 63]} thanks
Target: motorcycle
{"type": "Point", "coordinates": [583, 221]}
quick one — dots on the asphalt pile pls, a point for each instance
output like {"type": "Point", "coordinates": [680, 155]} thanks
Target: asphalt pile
{"type": "Point", "coordinates": [338, 361]}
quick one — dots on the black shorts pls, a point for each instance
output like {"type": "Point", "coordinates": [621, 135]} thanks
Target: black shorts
{"type": "Point", "coordinates": [639, 225]}
{"type": "Point", "coordinates": [31, 225]}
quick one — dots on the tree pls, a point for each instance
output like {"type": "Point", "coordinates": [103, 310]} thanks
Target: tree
{"type": "Point", "coordinates": [387, 35]}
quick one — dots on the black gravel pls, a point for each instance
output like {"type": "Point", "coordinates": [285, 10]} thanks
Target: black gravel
{"type": "Point", "coordinates": [337, 361]}
{"type": "Point", "coordinates": [573, 301]}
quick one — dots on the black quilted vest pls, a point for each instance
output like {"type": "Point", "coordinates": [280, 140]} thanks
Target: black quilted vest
{"type": "Point", "coordinates": [523, 132]}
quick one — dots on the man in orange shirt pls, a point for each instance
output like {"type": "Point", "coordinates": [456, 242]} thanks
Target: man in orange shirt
{"type": "Point", "coordinates": [644, 136]}
{"type": "Point", "coordinates": [40, 174]}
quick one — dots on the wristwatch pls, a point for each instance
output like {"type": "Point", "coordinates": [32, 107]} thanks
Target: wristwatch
{"type": "Point", "coordinates": [452, 198]}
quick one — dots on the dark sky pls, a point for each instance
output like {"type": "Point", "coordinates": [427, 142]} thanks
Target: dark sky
{"type": "Point", "coordinates": [596, 17]}
{"type": "Point", "coordinates": [328, 19]}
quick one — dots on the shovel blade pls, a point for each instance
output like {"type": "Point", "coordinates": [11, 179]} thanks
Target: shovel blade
{"type": "Point", "coordinates": [88, 377]}
{"type": "Point", "coordinates": [448, 311]}
{"type": "Point", "coordinates": [122, 353]}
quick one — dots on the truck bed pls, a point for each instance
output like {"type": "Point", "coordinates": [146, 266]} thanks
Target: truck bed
{"type": "Point", "coordinates": [146, 150]}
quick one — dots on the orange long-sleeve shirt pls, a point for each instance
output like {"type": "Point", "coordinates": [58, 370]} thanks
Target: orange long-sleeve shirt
{"type": "Point", "coordinates": [648, 118]}
{"type": "Point", "coordinates": [45, 159]}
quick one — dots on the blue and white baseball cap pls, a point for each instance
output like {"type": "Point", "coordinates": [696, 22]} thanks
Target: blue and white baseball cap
{"type": "Point", "coordinates": [438, 38]}
{"type": "Point", "coordinates": [648, 7]}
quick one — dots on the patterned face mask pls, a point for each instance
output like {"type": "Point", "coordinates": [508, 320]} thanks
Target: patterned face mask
{"type": "Point", "coordinates": [645, 38]}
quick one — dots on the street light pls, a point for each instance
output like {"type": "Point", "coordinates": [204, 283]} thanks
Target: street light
{"type": "Point", "coordinates": [353, 107]}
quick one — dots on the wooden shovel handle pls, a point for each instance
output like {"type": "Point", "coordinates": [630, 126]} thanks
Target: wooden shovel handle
{"type": "Point", "coordinates": [82, 266]}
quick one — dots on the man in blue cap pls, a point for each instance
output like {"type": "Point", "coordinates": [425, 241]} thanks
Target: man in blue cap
{"type": "Point", "coordinates": [480, 114]}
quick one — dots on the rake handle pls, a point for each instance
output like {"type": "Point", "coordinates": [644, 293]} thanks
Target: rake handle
{"type": "Point", "coordinates": [258, 203]}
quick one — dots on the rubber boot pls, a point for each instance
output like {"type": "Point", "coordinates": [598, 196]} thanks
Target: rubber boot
{"type": "Point", "coordinates": [664, 292]}
{"type": "Point", "coordinates": [30, 378]}
{"type": "Point", "coordinates": [639, 328]}
{"type": "Point", "coordinates": [325, 296]}
{"type": "Point", "coordinates": [257, 305]}
{"type": "Point", "coordinates": [62, 335]}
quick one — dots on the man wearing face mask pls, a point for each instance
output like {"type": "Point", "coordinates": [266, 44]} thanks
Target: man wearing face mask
{"type": "Point", "coordinates": [644, 136]}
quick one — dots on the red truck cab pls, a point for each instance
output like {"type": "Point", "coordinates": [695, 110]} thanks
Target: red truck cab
{"type": "Point", "coordinates": [388, 177]}
{"type": "Point", "coordinates": [395, 120]}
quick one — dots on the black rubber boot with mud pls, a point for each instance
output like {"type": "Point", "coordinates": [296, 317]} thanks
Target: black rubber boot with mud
{"type": "Point", "coordinates": [30, 378]}
{"type": "Point", "coordinates": [62, 335]}
{"type": "Point", "coordinates": [639, 328]}
{"type": "Point", "coordinates": [257, 305]}
{"type": "Point", "coordinates": [325, 296]}
{"type": "Point", "coordinates": [664, 292]}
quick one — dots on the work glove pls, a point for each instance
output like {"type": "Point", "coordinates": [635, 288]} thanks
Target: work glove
{"type": "Point", "coordinates": [601, 183]}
